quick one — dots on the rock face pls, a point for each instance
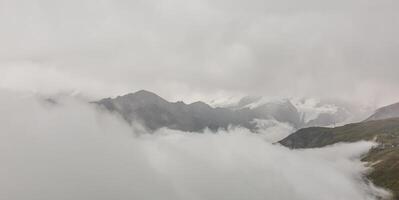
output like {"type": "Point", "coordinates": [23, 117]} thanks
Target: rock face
{"type": "Point", "coordinates": [155, 112]}
{"type": "Point", "coordinates": [385, 157]}
{"type": "Point", "coordinates": [386, 112]}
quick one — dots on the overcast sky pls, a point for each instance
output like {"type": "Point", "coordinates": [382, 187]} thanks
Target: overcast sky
{"type": "Point", "coordinates": [199, 49]}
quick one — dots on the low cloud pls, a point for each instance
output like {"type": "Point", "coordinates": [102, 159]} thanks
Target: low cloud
{"type": "Point", "coordinates": [73, 151]}
{"type": "Point", "coordinates": [272, 130]}
{"type": "Point", "coordinates": [202, 49]}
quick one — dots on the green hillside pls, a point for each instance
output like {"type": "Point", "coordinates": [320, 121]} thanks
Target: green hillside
{"type": "Point", "coordinates": [384, 158]}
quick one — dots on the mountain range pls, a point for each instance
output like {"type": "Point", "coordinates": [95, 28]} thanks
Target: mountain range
{"type": "Point", "coordinates": [314, 121]}
{"type": "Point", "coordinates": [154, 112]}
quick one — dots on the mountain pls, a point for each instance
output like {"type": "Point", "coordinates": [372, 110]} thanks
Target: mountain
{"type": "Point", "coordinates": [386, 112]}
{"type": "Point", "coordinates": [384, 158]}
{"type": "Point", "coordinates": [306, 112]}
{"type": "Point", "coordinates": [155, 112]}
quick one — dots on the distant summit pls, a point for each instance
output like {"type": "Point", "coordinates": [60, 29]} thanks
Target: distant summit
{"type": "Point", "coordinates": [154, 112]}
{"type": "Point", "coordinates": [142, 96]}
{"type": "Point", "coordinates": [302, 112]}
{"type": "Point", "coordinates": [390, 111]}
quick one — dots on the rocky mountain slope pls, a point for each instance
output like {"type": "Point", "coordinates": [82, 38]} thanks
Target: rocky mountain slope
{"type": "Point", "coordinates": [311, 111]}
{"type": "Point", "coordinates": [384, 158]}
{"type": "Point", "coordinates": [155, 112]}
{"type": "Point", "coordinates": [390, 111]}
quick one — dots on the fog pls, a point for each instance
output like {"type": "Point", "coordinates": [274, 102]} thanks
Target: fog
{"type": "Point", "coordinates": [72, 150]}
{"type": "Point", "coordinates": [272, 130]}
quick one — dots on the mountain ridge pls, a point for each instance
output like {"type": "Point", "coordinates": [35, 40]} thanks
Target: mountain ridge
{"type": "Point", "coordinates": [386, 112]}
{"type": "Point", "coordinates": [155, 112]}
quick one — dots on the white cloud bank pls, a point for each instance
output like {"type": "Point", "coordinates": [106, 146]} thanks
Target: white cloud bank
{"type": "Point", "coordinates": [74, 152]}
{"type": "Point", "coordinates": [272, 130]}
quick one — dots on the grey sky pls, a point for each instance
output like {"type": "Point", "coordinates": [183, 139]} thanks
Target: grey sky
{"type": "Point", "coordinates": [192, 49]}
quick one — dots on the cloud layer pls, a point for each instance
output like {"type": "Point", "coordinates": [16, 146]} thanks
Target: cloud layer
{"type": "Point", "coordinates": [72, 151]}
{"type": "Point", "coordinates": [204, 49]}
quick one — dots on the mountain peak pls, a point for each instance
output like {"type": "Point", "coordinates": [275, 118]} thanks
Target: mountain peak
{"type": "Point", "coordinates": [141, 94]}
{"type": "Point", "coordinates": [390, 111]}
{"type": "Point", "coordinates": [141, 97]}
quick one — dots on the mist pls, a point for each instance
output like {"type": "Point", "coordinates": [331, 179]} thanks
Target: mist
{"type": "Point", "coordinates": [73, 150]}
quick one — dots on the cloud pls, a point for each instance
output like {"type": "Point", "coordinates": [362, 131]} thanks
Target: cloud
{"type": "Point", "coordinates": [272, 130]}
{"type": "Point", "coordinates": [46, 80]}
{"type": "Point", "coordinates": [202, 49]}
{"type": "Point", "coordinates": [74, 151]}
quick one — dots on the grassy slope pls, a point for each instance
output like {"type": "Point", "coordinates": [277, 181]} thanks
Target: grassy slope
{"type": "Point", "coordinates": [384, 158]}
